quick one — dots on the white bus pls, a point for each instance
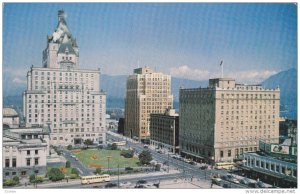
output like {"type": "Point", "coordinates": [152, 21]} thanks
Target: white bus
{"type": "Point", "coordinates": [95, 179]}
{"type": "Point", "coordinates": [225, 165]}
{"type": "Point", "coordinates": [120, 143]}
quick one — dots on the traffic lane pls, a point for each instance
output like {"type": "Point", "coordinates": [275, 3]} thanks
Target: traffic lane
{"type": "Point", "coordinates": [133, 180]}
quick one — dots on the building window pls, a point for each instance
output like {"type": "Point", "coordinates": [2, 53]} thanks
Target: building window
{"type": "Point", "coordinates": [277, 168]}
{"type": "Point", "coordinates": [272, 167]}
{"type": "Point", "coordinates": [14, 173]}
{"type": "Point", "coordinates": [221, 154]}
{"type": "Point", "coordinates": [295, 172]}
{"type": "Point", "coordinates": [28, 152]}
{"type": "Point", "coordinates": [6, 163]}
{"type": "Point", "coordinates": [14, 162]}
{"type": "Point", "coordinates": [36, 152]}
{"type": "Point", "coordinates": [23, 173]}
{"type": "Point", "coordinates": [267, 165]}
{"type": "Point", "coordinates": [257, 163]}
{"type": "Point", "coordinates": [36, 161]}
{"type": "Point", "coordinates": [28, 162]}
{"type": "Point", "coordinates": [7, 174]}
{"type": "Point", "coordinates": [229, 153]}
{"type": "Point", "coordinates": [283, 170]}
{"type": "Point", "coordinates": [262, 164]}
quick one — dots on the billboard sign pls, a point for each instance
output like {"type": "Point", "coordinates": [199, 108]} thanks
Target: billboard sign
{"type": "Point", "coordinates": [280, 149]}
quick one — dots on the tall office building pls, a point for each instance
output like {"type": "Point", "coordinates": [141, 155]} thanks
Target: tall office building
{"type": "Point", "coordinates": [147, 92]}
{"type": "Point", "coordinates": [62, 96]}
{"type": "Point", "coordinates": [224, 120]}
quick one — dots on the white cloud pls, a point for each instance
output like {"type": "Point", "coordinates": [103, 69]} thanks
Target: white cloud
{"type": "Point", "coordinates": [186, 72]}
{"type": "Point", "coordinates": [19, 81]}
{"type": "Point", "coordinates": [250, 77]}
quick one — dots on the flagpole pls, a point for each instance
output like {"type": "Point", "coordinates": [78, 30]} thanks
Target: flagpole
{"type": "Point", "coordinates": [221, 64]}
{"type": "Point", "coordinates": [222, 70]}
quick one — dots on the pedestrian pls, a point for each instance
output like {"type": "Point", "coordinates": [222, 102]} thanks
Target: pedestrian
{"type": "Point", "coordinates": [25, 184]}
{"type": "Point", "coordinates": [67, 180]}
{"type": "Point", "coordinates": [211, 185]}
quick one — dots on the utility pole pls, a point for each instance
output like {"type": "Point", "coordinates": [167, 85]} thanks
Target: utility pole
{"type": "Point", "coordinates": [118, 176]}
{"type": "Point", "coordinates": [168, 162]}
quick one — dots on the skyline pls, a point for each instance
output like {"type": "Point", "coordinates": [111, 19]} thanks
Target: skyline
{"type": "Point", "coordinates": [183, 40]}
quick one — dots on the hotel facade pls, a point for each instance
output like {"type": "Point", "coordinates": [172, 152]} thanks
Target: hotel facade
{"type": "Point", "coordinates": [225, 120]}
{"type": "Point", "coordinates": [63, 96]}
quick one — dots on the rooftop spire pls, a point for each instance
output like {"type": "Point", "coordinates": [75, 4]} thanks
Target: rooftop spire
{"type": "Point", "coordinates": [61, 15]}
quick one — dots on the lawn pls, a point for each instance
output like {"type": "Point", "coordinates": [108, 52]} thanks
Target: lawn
{"type": "Point", "coordinates": [94, 158]}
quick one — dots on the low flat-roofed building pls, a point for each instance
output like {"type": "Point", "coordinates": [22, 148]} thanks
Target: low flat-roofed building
{"type": "Point", "coordinates": [25, 151]}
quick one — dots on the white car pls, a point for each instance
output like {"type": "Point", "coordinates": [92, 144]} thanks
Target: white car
{"type": "Point", "coordinates": [125, 184]}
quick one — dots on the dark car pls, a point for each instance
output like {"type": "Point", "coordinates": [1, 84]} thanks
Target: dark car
{"type": "Point", "coordinates": [192, 163]}
{"type": "Point", "coordinates": [110, 185]}
{"type": "Point", "coordinates": [226, 185]}
{"type": "Point", "coordinates": [141, 182]}
{"type": "Point", "coordinates": [203, 167]}
{"type": "Point", "coordinates": [224, 177]}
{"type": "Point", "coordinates": [260, 184]}
{"type": "Point", "coordinates": [140, 186]}
{"type": "Point", "coordinates": [251, 185]}
{"type": "Point", "coordinates": [244, 181]}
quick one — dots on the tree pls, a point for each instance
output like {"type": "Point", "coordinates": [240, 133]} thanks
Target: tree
{"type": "Point", "coordinates": [145, 157]}
{"type": "Point", "coordinates": [74, 171]}
{"type": "Point", "coordinates": [114, 146]}
{"type": "Point", "coordinates": [68, 164]}
{"type": "Point", "coordinates": [127, 153]}
{"type": "Point", "coordinates": [55, 174]}
{"type": "Point", "coordinates": [88, 142]}
{"type": "Point", "coordinates": [32, 178]}
{"type": "Point", "coordinates": [157, 167]}
{"type": "Point", "coordinates": [98, 171]}
{"type": "Point", "coordinates": [69, 147]}
{"type": "Point", "coordinates": [16, 179]}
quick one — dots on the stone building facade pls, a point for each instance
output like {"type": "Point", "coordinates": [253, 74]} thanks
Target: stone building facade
{"type": "Point", "coordinates": [147, 92]}
{"type": "Point", "coordinates": [224, 120]}
{"type": "Point", "coordinates": [63, 96]}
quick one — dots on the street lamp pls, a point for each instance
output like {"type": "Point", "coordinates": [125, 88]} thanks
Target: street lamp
{"type": "Point", "coordinates": [108, 158]}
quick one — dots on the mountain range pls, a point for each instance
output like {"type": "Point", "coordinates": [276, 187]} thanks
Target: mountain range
{"type": "Point", "coordinates": [115, 87]}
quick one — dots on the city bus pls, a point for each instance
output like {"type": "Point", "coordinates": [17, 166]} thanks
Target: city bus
{"type": "Point", "coordinates": [120, 143]}
{"type": "Point", "coordinates": [225, 165]}
{"type": "Point", "coordinates": [95, 179]}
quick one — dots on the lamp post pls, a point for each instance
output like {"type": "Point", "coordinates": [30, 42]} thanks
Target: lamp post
{"type": "Point", "coordinates": [168, 162]}
{"type": "Point", "coordinates": [118, 176]}
{"type": "Point", "coordinates": [108, 158]}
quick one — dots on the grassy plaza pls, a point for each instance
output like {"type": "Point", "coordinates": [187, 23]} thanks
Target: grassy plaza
{"type": "Point", "coordinates": [94, 158]}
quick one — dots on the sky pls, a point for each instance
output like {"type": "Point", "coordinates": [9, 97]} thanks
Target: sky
{"type": "Point", "coordinates": [187, 40]}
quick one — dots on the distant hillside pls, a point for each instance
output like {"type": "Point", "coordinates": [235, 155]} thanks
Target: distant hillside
{"type": "Point", "coordinates": [287, 81]}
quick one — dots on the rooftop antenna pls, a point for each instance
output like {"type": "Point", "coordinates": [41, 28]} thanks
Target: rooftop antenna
{"type": "Point", "coordinates": [138, 62]}
{"type": "Point", "coordinates": [221, 64]}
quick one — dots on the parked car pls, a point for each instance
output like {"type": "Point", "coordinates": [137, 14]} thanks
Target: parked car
{"type": "Point", "coordinates": [140, 182]}
{"type": "Point", "coordinates": [140, 186]}
{"type": "Point", "coordinates": [125, 184]}
{"type": "Point", "coordinates": [192, 163]}
{"type": "Point", "coordinates": [251, 185]}
{"type": "Point", "coordinates": [203, 167]}
{"type": "Point", "coordinates": [232, 179]}
{"type": "Point", "coordinates": [110, 185]}
{"type": "Point", "coordinates": [216, 181]}
{"type": "Point", "coordinates": [244, 181]}
{"type": "Point", "coordinates": [226, 185]}
{"type": "Point", "coordinates": [260, 184]}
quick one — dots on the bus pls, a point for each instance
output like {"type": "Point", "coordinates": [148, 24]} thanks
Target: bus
{"type": "Point", "coordinates": [225, 165]}
{"type": "Point", "coordinates": [120, 143]}
{"type": "Point", "coordinates": [95, 179]}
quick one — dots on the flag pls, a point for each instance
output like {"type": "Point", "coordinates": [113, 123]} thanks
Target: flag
{"type": "Point", "coordinates": [221, 63]}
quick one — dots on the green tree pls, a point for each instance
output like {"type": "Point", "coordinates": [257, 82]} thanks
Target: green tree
{"type": "Point", "coordinates": [98, 171]}
{"type": "Point", "coordinates": [68, 164]}
{"type": "Point", "coordinates": [69, 147]}
{"type": "Point", "coordinates": [55, 174]}
{"type": "Point", "coordinates": [127, 153]}
{"type": "Point", "coordinates": [16, 179]}
{"type": "Point", "coordinates": [32, 178]}
{"type": "Point", "coordinates": [88, 142]}
{"type": "Point", "coordinates": [74, 171]}
{"type": "Point", "coordinates": [114, 146]}
{"type": "Point", "coordinates": [157, 167]}
{"type": "Point", "coordinates": [145, 157]}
